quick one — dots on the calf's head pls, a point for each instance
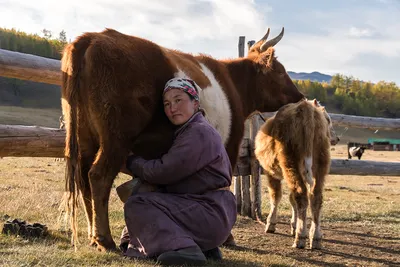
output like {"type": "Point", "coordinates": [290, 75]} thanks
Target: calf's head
{"type": "Point", "coordinates": [272, 81]}
{"type": "Point", "coordinates": [334, 138]}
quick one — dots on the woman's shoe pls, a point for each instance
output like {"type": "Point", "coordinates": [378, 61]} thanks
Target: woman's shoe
{"type": "Point", "coordinates": [213, 254]}
{"type": "Point", "coordinates": [191, 256]}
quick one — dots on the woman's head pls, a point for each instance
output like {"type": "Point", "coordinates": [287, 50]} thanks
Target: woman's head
{"type": "Point", "coordinates": [181, 100]}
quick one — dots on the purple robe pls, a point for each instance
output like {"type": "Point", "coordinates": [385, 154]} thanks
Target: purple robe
{"type": "Point", "coordinates": [193, 211]}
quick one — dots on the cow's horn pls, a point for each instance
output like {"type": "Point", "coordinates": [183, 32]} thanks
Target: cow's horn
{"type": "Point", "coordinates": [262, 39]}
{"type": "Point", "coordinates": [272, 42]}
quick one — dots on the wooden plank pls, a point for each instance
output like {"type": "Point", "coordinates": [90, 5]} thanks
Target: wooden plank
{"type": "Point", "coordinates": [373, 123]}
{"type": "Point", "coordinates": [29, 67]}
{"type": "Point", "coordinates": [31, 141]}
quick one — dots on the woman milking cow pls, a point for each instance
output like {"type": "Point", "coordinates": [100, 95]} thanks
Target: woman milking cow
{"type": "Point", "coordinates": [192, 211]}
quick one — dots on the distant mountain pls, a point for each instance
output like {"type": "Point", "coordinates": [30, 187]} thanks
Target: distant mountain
{"type": "Point", "coordinates": [313, 76]}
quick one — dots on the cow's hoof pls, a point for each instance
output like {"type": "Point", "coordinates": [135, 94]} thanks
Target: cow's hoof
{"type": "Point", "coordinates": [293, 231]}
{"type": "Point", "coordinates": [299, 242]}
{"type": "Point", "coordinates": [270, 228]}
{"type": "Point", "coordinates": [316, 243]}
{"type": "Point", "coordinates": [104, 245]}
{"type": "Point", "coordinates": [92, 242]}
{"type": "Point", "coordinates": [230, 241]}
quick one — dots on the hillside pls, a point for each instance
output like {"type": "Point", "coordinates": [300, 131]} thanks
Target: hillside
{"type": "Point", "coordinates": [313, 76]}
{"type": "Point", "coordinates": [19, 93]}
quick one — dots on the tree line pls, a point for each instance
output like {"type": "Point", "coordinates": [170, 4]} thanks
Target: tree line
{"type": "Point", "coordinates": [47, 46]}
{"type": "Point", "coordinates": [346, 94]}
{"type": "Point", "coordinates": [352, 96]}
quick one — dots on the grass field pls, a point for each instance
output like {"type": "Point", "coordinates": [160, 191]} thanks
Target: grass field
{"type": "Point", "coordinates": [360, 220]}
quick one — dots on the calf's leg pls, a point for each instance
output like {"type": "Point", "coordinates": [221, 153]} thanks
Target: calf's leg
{"type": "Point", "coordinates": [275, 195]}
{"type": "Point", "coordinates": [293, 220]}
{"type": "Point", "coordinates": [298, 188]}
{"type": "Point", "coordinates": [316, 200]}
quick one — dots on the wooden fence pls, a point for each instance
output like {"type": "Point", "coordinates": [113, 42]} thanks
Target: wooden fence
{"type": "Point", "coordinates": [34, 141]}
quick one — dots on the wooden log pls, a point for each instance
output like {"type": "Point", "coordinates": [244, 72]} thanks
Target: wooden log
{"type": "Point", "coordinates": [373, 123]}
{"type": "Point", "coordinates": [34, 141]}
{"type": "Point", "coordinates": [364, 168]}
{"type": "Point", "coordinates": [255, 192]}
{"type": "Point", "coordinates": [31, 141]}
{"type": "Point", "coordinates": [29, 67]}
{"type": "Point", "coordinates": [237, 189]}
{"type": "Point", "coordinates": [246, 205]}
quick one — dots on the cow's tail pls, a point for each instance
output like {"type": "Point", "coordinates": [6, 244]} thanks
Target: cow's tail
{"type": "Point", "coordinates": [307, 130]}
{"type": "Point", "coordinates": [71, 64]}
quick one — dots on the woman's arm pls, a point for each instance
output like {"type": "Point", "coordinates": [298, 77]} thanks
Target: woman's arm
{"type": "Point", "coordinates": [190, 152]}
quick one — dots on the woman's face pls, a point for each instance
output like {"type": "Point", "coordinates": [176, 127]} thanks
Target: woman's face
{"type": "Point", "coordinates": [178, 106]}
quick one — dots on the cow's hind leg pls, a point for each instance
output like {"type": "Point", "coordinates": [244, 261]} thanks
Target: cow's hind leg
{"type": "Point", "coordinates": [86, 195]}
{"type": "Point", "coordinates": [316, 199]}
{"type": "Point", "coordinates": [275, 195]}
{"type": "Point", "coordinates": [88, 150]}
{"type": "Point", "coordinates": [101, 175]}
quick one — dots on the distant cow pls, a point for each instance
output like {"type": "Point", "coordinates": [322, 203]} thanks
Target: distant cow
{"type": "Point", "coordinates": [295, 145]}
{"type": "Point", "coordinates": [355, 152]}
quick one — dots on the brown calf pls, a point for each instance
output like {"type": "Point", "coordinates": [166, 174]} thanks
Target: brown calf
{"type": "Point", "coordinates": [295, 145]}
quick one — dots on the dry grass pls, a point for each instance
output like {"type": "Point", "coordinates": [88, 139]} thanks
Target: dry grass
{"type": "Point", "coordinates": [361, 216]}
{"type": "Point", "coordinates": [361, 222]}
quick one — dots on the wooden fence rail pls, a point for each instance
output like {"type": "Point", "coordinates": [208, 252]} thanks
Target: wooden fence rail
{"type": "Point", "coordinates": [29, 67]}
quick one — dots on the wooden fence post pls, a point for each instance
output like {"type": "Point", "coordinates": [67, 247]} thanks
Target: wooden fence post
{"type": "Point", "coordinates": [238, 186]}
{"type": "Point", "coordinates": [241, 46]}
{"type": "Point", "coordinates": [246, 199]}
{"type": "Point", "coordinates": [237, 189]}
{"type": "Point", "coordinates": [255, 171]}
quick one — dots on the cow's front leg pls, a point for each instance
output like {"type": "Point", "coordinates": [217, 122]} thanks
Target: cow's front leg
{"type": "Point", "coordinates": [101, 175]}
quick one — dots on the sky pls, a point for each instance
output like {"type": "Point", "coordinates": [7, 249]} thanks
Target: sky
{"type": "Point", "coordinates": [352, 37]}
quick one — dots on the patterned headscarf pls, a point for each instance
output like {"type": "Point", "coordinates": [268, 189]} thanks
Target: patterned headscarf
{"type": "Point", "coordinates": [186, 85]}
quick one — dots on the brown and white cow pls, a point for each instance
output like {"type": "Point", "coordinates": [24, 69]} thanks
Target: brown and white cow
{"type": "Point", "coordinates": [295, 145]}
{"type": "Point", "coordinates": [112, 102]}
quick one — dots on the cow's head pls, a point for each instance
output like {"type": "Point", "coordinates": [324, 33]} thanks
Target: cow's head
{"type": "Point", "coordinates": [273, 83]}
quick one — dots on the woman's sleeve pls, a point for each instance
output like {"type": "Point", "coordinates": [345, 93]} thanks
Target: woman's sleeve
{"type": "Point", "coordinates": [190, 152]}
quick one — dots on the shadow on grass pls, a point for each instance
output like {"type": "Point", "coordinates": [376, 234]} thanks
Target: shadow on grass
{"type": "Point", "coordinates": [363, 258]}
{"type": "Point", "coordinates": [301, 258]}
{"type": "Point", "coordinates": [366, 235]}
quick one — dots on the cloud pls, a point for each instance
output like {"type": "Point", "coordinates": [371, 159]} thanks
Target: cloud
{"type": "Point", "coordinates": [324, 36]}
{"type": "Point", "coordinates": [358, 32]}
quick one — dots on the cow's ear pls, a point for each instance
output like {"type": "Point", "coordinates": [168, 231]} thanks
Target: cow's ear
{"type": "Point", "coordinates": [315, 102]}
{"type": "Point", "coordinates": [266, 58]}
